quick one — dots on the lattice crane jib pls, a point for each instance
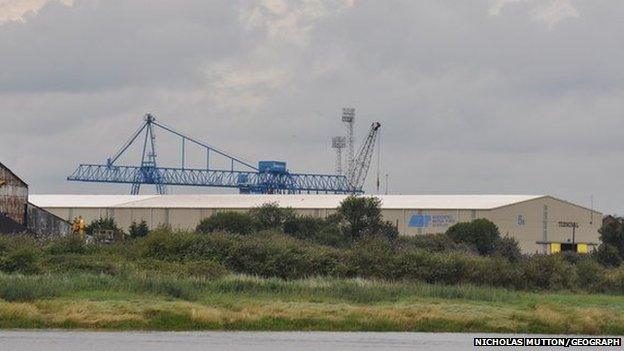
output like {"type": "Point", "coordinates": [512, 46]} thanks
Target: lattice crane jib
{"type": "Point", "coordinates": [269, 177]}
{"type": "Point", "coordinates": [362, 161]}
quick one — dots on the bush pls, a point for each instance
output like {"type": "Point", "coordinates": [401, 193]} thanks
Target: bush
{"type": "Point", "coordinates": [508, 248]}
{"type": "Point", "coordinates": [71, 244]}
{"type": "Point", "coordinates": [432, 243]}
{"type": "Point", "coordinates": [22, 260]}
{"type": "Point", "coordinates": [230, 222]}
{"type": "Point", "coordinates": [138, 230]}
{"type": "Point", "coordinates": [547, 272]}
{"type": "Point", "coordinates": [271, 216]}
{"type": "Point", "coordinates": [607, 255]}
{"type": "Point", "coordinates": [74, 263]}
{"type": "Point", "coordinates": [591, 275]}
{"type": "Point", "coordinates": [481, 233]}
{"type": "Point", "coordinates": [388, 230]}
{"type": "Point", "coordinates": [304, 227]}
{"type": "Point", "coordinates": [372, 258]}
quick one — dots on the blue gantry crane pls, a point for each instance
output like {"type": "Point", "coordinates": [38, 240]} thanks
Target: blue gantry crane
{"type": "Point", "coordinates": [268, 177]}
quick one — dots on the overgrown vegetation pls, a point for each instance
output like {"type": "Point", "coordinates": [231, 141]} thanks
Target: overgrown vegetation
{"type": "Point", "coordinates": [352, 255]}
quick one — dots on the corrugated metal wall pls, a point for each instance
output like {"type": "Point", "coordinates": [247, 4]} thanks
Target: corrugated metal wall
{"type": "Point", "coordinates": [45, 224]}
{"type": "Point", "coordinates": [13, 196]}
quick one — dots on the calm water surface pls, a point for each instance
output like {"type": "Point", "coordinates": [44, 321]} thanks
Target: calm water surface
{"type": "Point", "coordinates": [237, 341]}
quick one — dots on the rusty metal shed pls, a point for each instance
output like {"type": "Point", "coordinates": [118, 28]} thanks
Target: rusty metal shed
{"type": "Point", "coordinates": [13, 195]}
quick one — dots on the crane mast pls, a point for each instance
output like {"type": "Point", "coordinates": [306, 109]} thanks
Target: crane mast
{"type": "Point", "coordinates": [361, 163]}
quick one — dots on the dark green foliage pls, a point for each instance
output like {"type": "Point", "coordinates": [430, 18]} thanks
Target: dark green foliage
{"type": "Point", "coordinates": [508, 248]}
{"type": "Point", "coordinates": [481, 233]}
{"type": "Point", "coordinates": [433, 243]}
{"type": "Point", "coordinates": [22, 260]}
{"type": "Point", "coordinates": [138, 230]}
{"type": "Point", "coordinates": [102, 224]}
{"type": "Point", "coordinates": [303, 227]}
{"type": "Point", "coordinates": [77, 263]}
{"type": "Point", "coordinates": [19, 254]}
{"type": "Point", "coordinates": [372, 258]}
{"type": "Point", "coordinates": [591, 275]}
{"type": "Point", "coordinates": [71, 244]}
{"type": "Point", "coordinates": [271, 216]}
{"type": "Point", "coordinates": [361, 216]}
{"type": "Point", "coordinates": [548, 272]}
{"type": "Point", "coordinates": [264, 255]}
{"type": "Point", "coordinates": [388, 230]}
{"type": "Point", "coordinates": [612, 233]}
{"type": "Point", "coordinates": [607, 255]}
{"type": "Point", "coordinates": [229, 222]}
{"type": "Point", "coordinates": [324, 231]}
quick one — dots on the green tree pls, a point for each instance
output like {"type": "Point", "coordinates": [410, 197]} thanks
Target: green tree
{"type": "Point", "coordinates": [481, 233]}
{"type": "Point", "coordinates": [230, 222]}
{"type": "Point", "coordinates": [138, 230]}
{"type": "Point", "coordinates": [361, 216]}
{"type": "Point", "coordinates": [271, 216]}
{"type": "Point", "coordinates": [612, 233]}
{"type": "Point", "coordinates": [607, 255]}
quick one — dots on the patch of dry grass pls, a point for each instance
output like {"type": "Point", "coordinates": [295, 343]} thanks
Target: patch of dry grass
{"type": "Point", "coordinates": [422, 315]}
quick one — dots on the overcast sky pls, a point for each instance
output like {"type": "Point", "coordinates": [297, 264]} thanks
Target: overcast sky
{"type": "Point", "coordinates": [480, 96]}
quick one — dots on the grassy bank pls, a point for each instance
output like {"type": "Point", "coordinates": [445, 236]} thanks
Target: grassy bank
{"type": "Point", "coordinates": [236, 302]}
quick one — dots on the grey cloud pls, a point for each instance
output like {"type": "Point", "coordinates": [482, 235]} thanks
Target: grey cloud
{"type": "Point", "coordinates": [470, 102]}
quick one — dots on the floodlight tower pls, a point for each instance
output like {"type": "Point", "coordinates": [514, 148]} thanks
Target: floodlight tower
{"type": "Point", "coordinates": [348, 117]}
{"type": "Point", "coordinates": [339, 143]}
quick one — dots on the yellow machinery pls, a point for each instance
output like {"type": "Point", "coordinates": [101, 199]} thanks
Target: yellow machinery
{"type": "Point", "coordinates": [78, 227]}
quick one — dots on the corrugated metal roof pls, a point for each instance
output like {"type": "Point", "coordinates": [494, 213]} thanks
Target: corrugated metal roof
{"type": "Point", "coordinates": [477, 202]}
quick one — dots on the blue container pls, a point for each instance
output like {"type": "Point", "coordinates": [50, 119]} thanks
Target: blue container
{"type": "Point", "coordinates": [272, 167]}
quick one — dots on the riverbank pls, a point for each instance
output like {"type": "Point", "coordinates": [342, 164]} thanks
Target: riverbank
{"type": "Point", "coordinates": [236, 302]}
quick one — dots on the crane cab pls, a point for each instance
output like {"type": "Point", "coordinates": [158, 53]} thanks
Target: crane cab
{"type": "Point", "coordinates": [272, 167]}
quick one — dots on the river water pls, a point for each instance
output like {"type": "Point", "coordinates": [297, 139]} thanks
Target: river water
{"type": "Point", "coordinates": [240, 341]}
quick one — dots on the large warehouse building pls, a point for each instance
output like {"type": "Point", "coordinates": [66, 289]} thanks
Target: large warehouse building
{"type": "Point", "coordinates": [540, 223]}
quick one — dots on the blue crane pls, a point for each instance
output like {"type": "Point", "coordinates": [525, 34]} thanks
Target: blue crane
{"type": "Point", "coordinates": [268, 177]}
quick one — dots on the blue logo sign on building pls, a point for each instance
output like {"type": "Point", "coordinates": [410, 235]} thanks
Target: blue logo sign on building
{"type": "Point", "coordinates": [425, 221]}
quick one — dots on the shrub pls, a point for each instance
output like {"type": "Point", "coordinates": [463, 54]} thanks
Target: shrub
{"type": "Point", "coordinates": [71, 244]}
{"type": "Point", "coordinates": [508, 248]}
{"type": "Point", "coordinates": [22, 260]}
{"type": "Point", "coordinates": [545, 272]}
{"type": "Point", "coordinates": [388, 230]}
{"type": "Point", "coordinates": [271, 216]}
{"type": "Point", "coordinates": [74, 263]}
{"type": "Point", "coordinates": [432, 243]}
{"type": "Point", "coordinates": [591, 275]}
{"type": "Point", "coordinates": [303, 227]}
{"type": "Point", "coordinates": [371, 257]}
{"type": "Point", "coordinates": [138, 230]}
{"type": "Point", "coordinates": [230, 222]}
{"type": "Point", "coordinates": [204, 269]}
{"type": "Point", "coordinates": [615, 280]}
{"type": "Point", "coordinates": [481, 233]}
{"type": "Point", "coordinates": [607, 255]}
{"type": "Point", "coordinates": [28, 288]}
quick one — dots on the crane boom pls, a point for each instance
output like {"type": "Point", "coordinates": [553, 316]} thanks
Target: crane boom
{"type": "Point", "coordinates": [362, 161]}
{"type": "Point", "coordinates": [269, 177]}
